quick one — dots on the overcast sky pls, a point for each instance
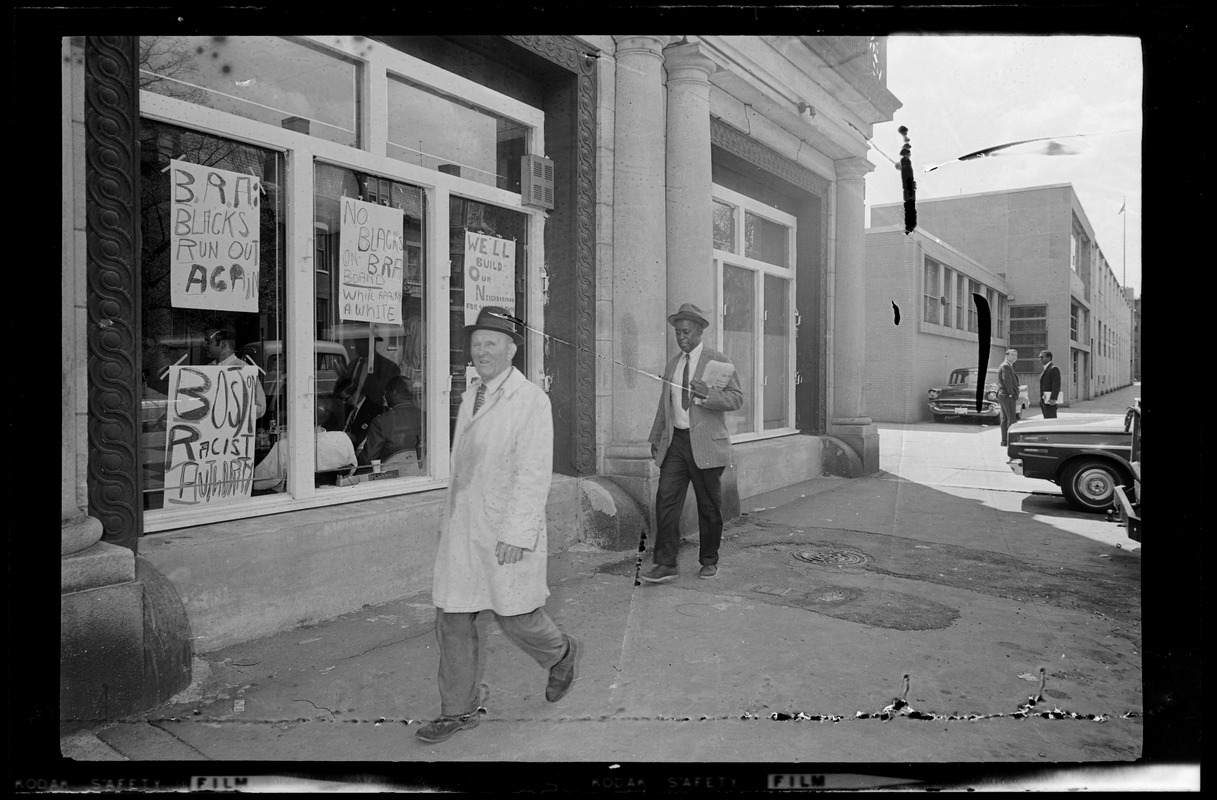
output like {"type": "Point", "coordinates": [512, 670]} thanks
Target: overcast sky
{"type": "Point", "coordinates": [967, 93]}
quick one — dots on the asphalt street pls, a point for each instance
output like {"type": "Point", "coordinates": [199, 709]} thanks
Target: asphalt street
{"type": "Point", "coordinates": [942, 611]}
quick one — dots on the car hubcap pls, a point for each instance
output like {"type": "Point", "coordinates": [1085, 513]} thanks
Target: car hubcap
{"type": "Point", "coordinates": [1095, 485]}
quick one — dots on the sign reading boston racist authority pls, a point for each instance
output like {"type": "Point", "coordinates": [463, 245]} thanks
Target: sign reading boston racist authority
{"type": "Point", "coordinates": [372, 253]}
{"type": "Point", "coordinates": [209, 444]}
{"type": "Point", "coordinates": [214, 240]}
{"type": "Point", "coordinates": [490, 274]}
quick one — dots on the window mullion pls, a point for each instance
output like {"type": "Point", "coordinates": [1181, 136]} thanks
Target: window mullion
{"type": "Point", "coordinates": [301, 324]}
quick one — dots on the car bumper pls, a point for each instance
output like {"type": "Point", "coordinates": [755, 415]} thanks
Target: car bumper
{"type": "Point", "coordinates": [964, 411]}
{"type": "Point", "coordinates": [1015, 465]}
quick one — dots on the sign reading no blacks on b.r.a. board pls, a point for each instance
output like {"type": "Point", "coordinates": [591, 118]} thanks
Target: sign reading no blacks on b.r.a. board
{"type": "Point", "coordinates": [372, 253]}
{"type": "Point", "coordinates": [216, 213]}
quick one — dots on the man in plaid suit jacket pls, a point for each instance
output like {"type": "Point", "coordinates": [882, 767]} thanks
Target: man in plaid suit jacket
{"type": "Point", "coordinates": [690, 443]}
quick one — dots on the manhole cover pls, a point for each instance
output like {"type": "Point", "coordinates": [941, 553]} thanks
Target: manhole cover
{"type": "Point", "coordinates": [830, 554]}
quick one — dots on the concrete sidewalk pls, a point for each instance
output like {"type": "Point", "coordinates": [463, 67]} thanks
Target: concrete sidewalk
{"type": "Point", "coordinates": [829, 593]}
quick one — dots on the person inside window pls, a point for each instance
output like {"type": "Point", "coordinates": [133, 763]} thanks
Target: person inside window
{"type": "Point", "coordinates": [221, 344]}
{"type": "Point", "coordinates": [395, 436]}
{"type": "Point", "coordinates": [333, 452]}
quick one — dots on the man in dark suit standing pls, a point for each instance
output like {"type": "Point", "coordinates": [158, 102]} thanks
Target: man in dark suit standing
{"type": "Point", "coordinates": [690, 443]}
{"type": "Point", "coordinates": [1050, 385]}
{"type": "Point", "coordinates": [1007, 392]}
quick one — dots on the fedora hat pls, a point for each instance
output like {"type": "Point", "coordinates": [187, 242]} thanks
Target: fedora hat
{"type": "Point", "coordinates": [496, 318]}
{"type": "Point", "coordinates": [690, 312]}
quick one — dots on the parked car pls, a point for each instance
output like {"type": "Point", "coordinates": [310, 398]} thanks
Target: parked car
{"type": "Point", "coordinates": [1087, 455]}
{"type": "Point", "coordinates": [1129, 502]}
{"type": "Point", "coordinates": [958, 397]}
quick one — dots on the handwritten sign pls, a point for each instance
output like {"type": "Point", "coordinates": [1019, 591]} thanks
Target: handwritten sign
{"type": "Point", "coordinates": [372, 262]}
{"type": "Point", "coordinates": [214, 240]}
{"type": "Point", "coordinates": [490, 274]}
{"type": "Point", "coordinates": [209, 444]}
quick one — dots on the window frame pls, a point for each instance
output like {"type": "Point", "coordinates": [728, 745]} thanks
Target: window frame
{"type": "Point", "coordinates": [301, 152]}
{"type": "Point", "coordinates": [741, 203]}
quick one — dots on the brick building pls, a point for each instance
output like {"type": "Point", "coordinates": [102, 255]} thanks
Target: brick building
{"type": "Point", "coordinates": [1063, 294]}
{"type": "Point", "coordinates": [931, 284]}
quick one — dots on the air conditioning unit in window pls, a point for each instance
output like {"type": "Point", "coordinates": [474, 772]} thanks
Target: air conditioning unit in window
{"type": "Point", "coordinates": [537, 181]}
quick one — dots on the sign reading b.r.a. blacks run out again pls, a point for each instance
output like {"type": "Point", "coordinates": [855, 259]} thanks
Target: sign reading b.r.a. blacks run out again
{"type": "Point", "coordinates": [214, 239]}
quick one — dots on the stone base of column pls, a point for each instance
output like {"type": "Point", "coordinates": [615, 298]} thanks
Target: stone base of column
{"type": "Point", "coordinates": [630, 466]}
{"type": "Point", "coordinates": [862, 439]}
{"type": "Point", "coordinates": [125, 644]}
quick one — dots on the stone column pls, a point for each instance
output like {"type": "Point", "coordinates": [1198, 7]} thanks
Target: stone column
{"type": "Point", "coordinates": [849, 421]}
{"type": "Point", "coordinates": [690, 245]}
{"type": "Point", "coordinates": [690, 234]}
{"type": "Point", "coordinates": [639, 284]}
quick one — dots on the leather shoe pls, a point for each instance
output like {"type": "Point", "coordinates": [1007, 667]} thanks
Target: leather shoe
{"type": "Point", "coordinates": [658, 573]}
{"type": "Point", "coordinates": [562, 674]}
{"type": "Point", "coordinates": [707, 571]}
{"type": "Point", "coordinates": [444, 728]}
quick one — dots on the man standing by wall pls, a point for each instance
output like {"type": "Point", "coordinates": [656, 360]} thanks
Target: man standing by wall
{"type": "Point", "coordinates": [492, 548]}
{"type": "Point", "coordinates": [689, 441]}
{"type": "Point", "coordinates": [1050, 385]}
{"type": "Point", "coordinates": [1007, 392]}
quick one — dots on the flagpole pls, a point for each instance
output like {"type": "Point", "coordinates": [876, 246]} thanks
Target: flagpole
{"type": "Point", "coordinates": [1124, 209]}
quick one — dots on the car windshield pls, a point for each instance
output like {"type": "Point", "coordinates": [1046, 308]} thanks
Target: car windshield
{"type": "Point", "coordinates": [967, 377]}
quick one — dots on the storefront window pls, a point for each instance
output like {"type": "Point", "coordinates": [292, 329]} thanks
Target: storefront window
{"type": "Point", "coordinates": [778, 369]}
{"type": "Point", "coordinates": [488, 251]}
{"type": "Point", "coordinates": [766, 241]}
{"type": "Point", "coordinates": [288, 83]}
{"type": "Point", "coordinates": [444, 133]}
{"type": "Point", "coordinates": [370, 349]}
{"type": "Point", "coordinates": [724, 226]}
{"type": "Point", "coordinates": [758, 325]}
{"type": "Point", "coordinates": [739, 341]}
{"type": "Point", "coordinates": [212, 291]}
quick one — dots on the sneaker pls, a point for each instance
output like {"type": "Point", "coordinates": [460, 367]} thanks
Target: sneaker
{"type": "Point", "coordinates": [707, 571]}
{"type": "Point", "coordinates": [658, 573]}
{"type": "Point", "coordinates": [562, 674]}
{"type": "Point", "coordinates": [443, 728]}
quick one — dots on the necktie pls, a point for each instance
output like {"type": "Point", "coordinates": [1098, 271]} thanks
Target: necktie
{"type": "Point", "coordinates": [477, 403]}
{"type": "Point", "coordinates": [684, 394]}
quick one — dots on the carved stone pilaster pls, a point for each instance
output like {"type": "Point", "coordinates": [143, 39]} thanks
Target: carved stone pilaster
{"type": "Point", "coordinates": [563, 51]}
{"type": "Point", "coordinates": [112, 275]}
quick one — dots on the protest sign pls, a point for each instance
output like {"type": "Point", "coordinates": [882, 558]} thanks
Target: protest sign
{"type": "Point", "coordinates": [209, 444]}
{"type": "Point", "coordinates": [490, 274]}
{"type": "Point", "coordinates": [214, 248]}
{"type": "Point", "coordinates": [372, 262]}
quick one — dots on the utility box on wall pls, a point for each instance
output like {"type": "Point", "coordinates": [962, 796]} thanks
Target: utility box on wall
{"type": "Point", "coordinates": [537, 181]}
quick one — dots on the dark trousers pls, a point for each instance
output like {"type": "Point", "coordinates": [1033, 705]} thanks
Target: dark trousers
{"type": "Point", "coordinates": [1009, 407]}
{"type": "Point", "coordinates": [675, 475]}
{"type": "Point", "coordinates": [461, 652]}
{"type": "Point", "coordinates": [1048, 410]}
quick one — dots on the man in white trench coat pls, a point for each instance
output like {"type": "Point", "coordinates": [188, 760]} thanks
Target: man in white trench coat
{"type": "Point", "coordinates": [492, 547]}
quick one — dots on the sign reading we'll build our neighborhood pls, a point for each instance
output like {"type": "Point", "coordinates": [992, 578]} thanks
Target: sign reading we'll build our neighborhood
{"type": "Point", "coordinates": [490, 274]}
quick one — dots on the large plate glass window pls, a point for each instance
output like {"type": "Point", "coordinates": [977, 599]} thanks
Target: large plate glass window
{"type": "Point", "coordinates": [288, 83]}
{"type": "Point", "coordinates": [212, 287]}
{"type": "Point", "coordinates": [370, 289]}
{"type": "Point", "coordinates": [442, 132]}
{"type": "Point", "coordinates": [753, 244]}
{"type": "Point", "coordinates": [488, 253]}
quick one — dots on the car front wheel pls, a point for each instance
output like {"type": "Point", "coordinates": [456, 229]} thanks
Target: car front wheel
{"type": "Point", "coordinates": [1090, 485]}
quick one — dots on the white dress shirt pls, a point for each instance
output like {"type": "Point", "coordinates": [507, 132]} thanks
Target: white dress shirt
{"type": "Point", "coordinates": [680, 415]}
